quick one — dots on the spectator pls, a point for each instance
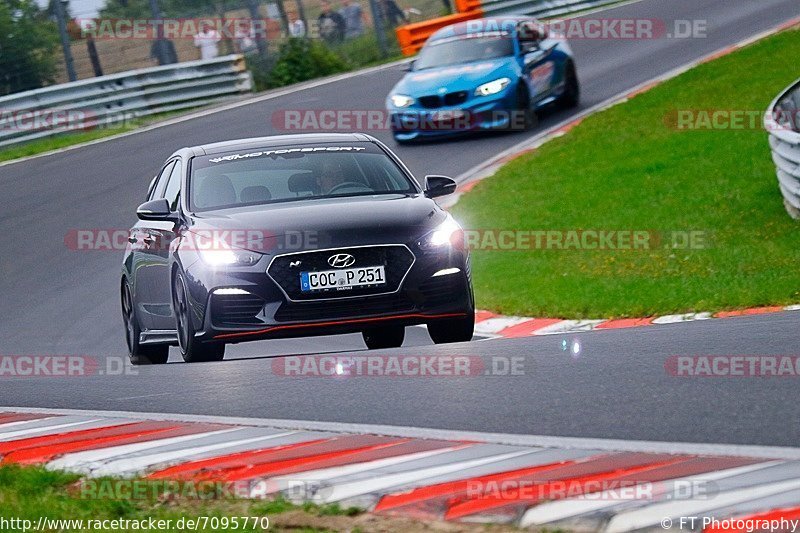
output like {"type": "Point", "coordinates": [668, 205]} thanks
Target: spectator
{"type": "Point", "coordinates": [331, 24]}
{"type": "Point", "coordinates": [245, 38]}
{"type": "Point", "coordinates": [353, 19]}
{"type": "Point", "coordinates": [207, 40]}
{"type": "Point", "coordinates": [392, 13]}
{"type": "Point", "coordinates": [296, 26]}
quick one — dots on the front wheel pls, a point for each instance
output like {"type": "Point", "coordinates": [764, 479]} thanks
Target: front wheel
{"type": "Point", "coordinates": [452, 329]}
{"type": "Point", "coordinates": [572, 92]}
{"type": "Point", "coordinates": [192, 349]}
{"type": "Point", "coordinates": [140, 354]}
{"type": "Point", "coordinates": [384, 337]}
{"type": "Point", "coordinates": [522, 117]}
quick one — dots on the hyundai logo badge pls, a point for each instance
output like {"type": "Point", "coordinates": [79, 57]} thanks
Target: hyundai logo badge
{"type": "Point", "coordinates": [341, 260]}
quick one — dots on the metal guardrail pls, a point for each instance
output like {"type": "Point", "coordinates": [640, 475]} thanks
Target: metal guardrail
{"type": "Point", "coordinates": [781, 121]}
{"type": "Point", "coordinates": [109, 100]}
{"type": "Point", "coordinates": [411, 37]}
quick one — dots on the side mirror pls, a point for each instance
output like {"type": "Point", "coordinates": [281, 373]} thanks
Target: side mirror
{"type": "Point", "coordinates": [409, 67]}
{"type": "Point", "coordinates": [436, 186]}
{"type": "Point", "coordinates": [156, 210]}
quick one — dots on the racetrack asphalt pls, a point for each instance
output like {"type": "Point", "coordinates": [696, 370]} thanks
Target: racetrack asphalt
{"type": "Point", "coordinates": [59, 301]}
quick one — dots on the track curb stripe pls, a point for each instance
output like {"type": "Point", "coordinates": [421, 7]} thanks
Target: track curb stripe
{"type": "Point", "coordinates": [489, 324]}
{"type": "Point", "coordinates": [408, 475]}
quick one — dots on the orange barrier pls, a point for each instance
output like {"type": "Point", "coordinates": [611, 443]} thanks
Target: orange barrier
{"type": "Point", "coordinates": [465, 6]}
{"type": "Point", "coordinates": [411, 37]}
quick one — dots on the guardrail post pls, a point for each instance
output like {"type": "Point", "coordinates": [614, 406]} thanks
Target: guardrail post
{"type": "Point", "coordinates": [62, 30]}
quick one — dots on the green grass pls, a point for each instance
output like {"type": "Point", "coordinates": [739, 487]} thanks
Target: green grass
{"type": "Point", "coordinates": [627, 169]}
{"type": "Point", "coordinates": [71, 138]}
{"type": "Point", "coordinates": [32, 492]}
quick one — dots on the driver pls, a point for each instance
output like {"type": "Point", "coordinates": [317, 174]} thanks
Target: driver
{"type": "Point", "coordinates": [330, 176]}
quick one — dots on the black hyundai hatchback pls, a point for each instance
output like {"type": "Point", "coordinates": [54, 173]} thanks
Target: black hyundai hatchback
{"type": "Point", "coordinates": [291, 236]}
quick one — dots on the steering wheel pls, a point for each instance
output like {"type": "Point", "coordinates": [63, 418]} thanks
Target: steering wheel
{"type": "Point", "coordinates": [350, 185]}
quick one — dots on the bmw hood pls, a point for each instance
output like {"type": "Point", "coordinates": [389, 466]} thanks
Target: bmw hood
{"type": "Point", "coordinates": [462, 77]}
{"type": "Point", "coordinates": [323, 223]}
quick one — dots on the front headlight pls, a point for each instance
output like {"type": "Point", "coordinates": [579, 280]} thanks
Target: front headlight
{"type": "Point", "coordinates": [217, 258]}
{"type": "Point", "coordinates": [401, 100]}
{"type": "Point", "coordinates": [493, 87]}
{"type": "Point", "coordinates": [448, 233]}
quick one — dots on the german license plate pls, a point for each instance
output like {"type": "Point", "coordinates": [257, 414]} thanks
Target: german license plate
{"type": "Point", "coordinates": [342, 279]}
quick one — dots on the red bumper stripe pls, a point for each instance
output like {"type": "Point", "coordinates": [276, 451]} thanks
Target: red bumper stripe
{"type": "Point", "coordinates": [338, 323]}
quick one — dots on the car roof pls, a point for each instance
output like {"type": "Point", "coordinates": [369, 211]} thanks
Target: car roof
{"type": "Point", "coordinates": [275, 140]}
{"type": "Point", "coordinates": [462, 28]}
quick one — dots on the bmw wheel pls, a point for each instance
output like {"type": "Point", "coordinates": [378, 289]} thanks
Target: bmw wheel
{"type": "Point", "coordinates": [140, 354]}
{"type": "Point", "coordinates": [192, 349]}
{"type": "Point", "coordinates": [572, 91]}
{"type": "Point", "coordinates": [384, 337]}
{"type": "Point", "coordinates": [523, 117]}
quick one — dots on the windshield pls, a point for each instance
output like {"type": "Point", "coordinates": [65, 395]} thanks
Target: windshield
{"type": "Point", "coordinates": [285, 174]}
{"type": "Point", "coordinates": [464, 50]}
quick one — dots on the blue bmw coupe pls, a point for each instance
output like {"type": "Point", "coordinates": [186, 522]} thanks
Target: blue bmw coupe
{"type": "Point", "coordinates": [483, 74]}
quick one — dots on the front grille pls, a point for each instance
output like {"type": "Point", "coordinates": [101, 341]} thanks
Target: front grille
{"type": "Point", "coordinates": [456, 98]}
{"type": "Point", "coordinates": [397, 260]}
{"type": "Point", "coordinates": [430, 102]}
{"type": "Point", "coordinates": [441, 290]}
{"type": "Point", "coordinates": [230, 310]}
{"type": "Point", "coordinates": [435, 101]}
{"type": "Point", "coordinates": [342, 309]}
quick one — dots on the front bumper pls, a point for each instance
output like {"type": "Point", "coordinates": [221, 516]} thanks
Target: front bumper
{"type": "Point", "coordinates": [236, 305]}
{"type": "Point", "coordinates": [477, 114]}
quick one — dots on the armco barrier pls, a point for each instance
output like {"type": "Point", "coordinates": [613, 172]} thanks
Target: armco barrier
{"type": "Point", "coordinates": [781, 121]}
{"type": "Point", "coordinates": [108, 100]}
{"type": "Point", "coordinates": [412, 36]}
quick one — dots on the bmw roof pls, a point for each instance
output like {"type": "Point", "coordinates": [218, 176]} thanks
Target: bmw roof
{"type": "Point", "coordinates": [489, 24]}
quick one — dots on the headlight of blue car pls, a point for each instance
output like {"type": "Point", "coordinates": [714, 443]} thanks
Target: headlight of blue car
{"type": "Point", "coordinates": [401, 100]}
{"type": "Point", "coordinates": [492, 87]}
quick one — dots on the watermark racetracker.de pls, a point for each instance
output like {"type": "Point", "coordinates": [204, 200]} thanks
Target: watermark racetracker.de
{"type": "Point", "coordinates": [399, 366]}
{"type": "Point", "coordinates": [58, 366]}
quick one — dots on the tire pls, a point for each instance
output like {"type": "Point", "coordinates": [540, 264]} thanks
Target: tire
{"type": "Point", "coordinates": [140, 354]}
{"type": "Point", "coordinates": [572, 90]}
{"type": "Point", "coordinates": [452, 329]}
{"type": "Point", "coordinates": [523, 107]}
{"type": "Point", "coordinates": [192, 349]}
{"type": "Point", "coordinates": [384, 337]}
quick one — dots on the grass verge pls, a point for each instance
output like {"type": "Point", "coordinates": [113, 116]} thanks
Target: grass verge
{"type": "Point", "coordinates": [63, 140]}
{"type": "Point", "coordinates": [631, 168]}
{"type": "Point", "coordinates": [68, 503]}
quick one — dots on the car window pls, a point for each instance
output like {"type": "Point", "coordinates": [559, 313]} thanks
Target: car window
{"type": "Point", "coordinates": [285, 174]}
{"type": "Point", "coordinates": [455, 50]}
{"type": "Point", "coordinates": [161, 181]}
{"type": "Point", "coordinates": [173, 188]}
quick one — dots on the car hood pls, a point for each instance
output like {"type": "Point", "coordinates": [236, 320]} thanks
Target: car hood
{"type": "Point", "coordinates": [323, 223]}
{"type": "Point", "coordinates": [462, 77]}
